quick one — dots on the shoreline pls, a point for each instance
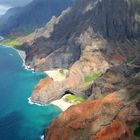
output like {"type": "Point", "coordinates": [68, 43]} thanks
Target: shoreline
{"type": "Point", "coordinates": [55, 74]}
{"type": "Point", "coordinates": [42, 137]}
{"type": "Point", "coordinates": [22, 55]}
{"type": "Point", "coordinates": [61, 103]}
{"type": "Point", "coordinates": [32, 103]}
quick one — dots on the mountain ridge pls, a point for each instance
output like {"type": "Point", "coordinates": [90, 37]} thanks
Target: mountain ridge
{"type": "Point", "coordinates": [31, 16]}
{"type": "Point", "coordinates": [68, 33]}
{"type": "Point", "coordinates": [98, 42]}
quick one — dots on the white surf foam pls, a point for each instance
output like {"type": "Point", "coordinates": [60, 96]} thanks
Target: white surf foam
{"type": "Point", "coordinates": [32, 103]}
{"type": "Point", "coordinates": [42, 137]}
{"type": "Point", "coordinates": [23, 60]}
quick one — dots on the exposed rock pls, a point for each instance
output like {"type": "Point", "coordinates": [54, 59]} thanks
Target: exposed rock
{"type": "Point", "coordinates": [44, 31]}
{"type": "Point", "coordinates": [61, 41]}
{"type": "Point", "coordinates": [89, 63]}
{"type": "Point", "coordinates": [138, 105]}
{"type": "Point", "coordinates": [97, 40]}
{"type": "Point", "coordinates": [116, 130]}
{"type": "Point", "coordinates": [115, 113]}
{"type": "Point", "coordinates": [108, 118]}
{"type": "Point", "coordinates": [114, 79]}
{"type": "Point", "coordinates": [95, 58]}
{"type": "Point", "coordinates": [114, 19]}
{"type": "Point", "coordinates": [42, 84]}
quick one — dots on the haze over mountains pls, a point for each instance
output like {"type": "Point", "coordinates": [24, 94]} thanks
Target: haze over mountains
{"type": "Point", "coordinates": [35, 14]}
{"type": "Point", "coordinates": [14, 3]}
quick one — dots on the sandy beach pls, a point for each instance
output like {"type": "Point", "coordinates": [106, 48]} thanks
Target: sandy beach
{"type": "Point", "coordinates": [22, 54]}
{"type": "Point", "coordinates": [57, 75]}
{"type": "Point", "coordinates": [62, 104]}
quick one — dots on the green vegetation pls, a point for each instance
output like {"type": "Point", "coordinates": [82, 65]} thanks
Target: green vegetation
{"type": "Point", "coordinates": [135, 94]}
{"type": "Point", "coordinates": [74, 99]}
{"type": "Point", "coordinates": [61, 71]}
{"type": "Point", "coordinates": [137, 132]}
{"type": "Point", "coordinates": [129, 59]}
{"type": "Point", "coordinates": [136, 5]}
{"type": "Point", "coordinates": [13, 43]}
{"type": "Point", "coordinates": [91, 78]}
{"type": "Point", "coordinates": [24, 30]}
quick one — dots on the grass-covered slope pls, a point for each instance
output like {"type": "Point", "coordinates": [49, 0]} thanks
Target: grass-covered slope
{"type": "Point", "coordinates": [12, 43]}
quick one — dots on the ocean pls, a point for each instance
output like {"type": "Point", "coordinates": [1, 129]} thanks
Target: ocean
{"type": "Point", "coordinates": [20, 120]}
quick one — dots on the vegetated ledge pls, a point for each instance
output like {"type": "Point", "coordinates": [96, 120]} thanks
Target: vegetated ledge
{"type": "Point", "coordinates": [90, 19]}
{"type": "Point", "coordinates": [14, 43]}
{"type": "Point", "coordinates": [67, 101]}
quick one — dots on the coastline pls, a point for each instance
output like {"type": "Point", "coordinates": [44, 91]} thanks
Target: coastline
{"type": "Point", "coordinates": [42, 137]}
{"type": "Point", "coordinates": [22, 55]}
{"type": "Point", "coordinates": [61, 103]}
{"type": "Point", "coordinates": [55, 74]}
{"type": "Point", "coordinates": [32, 103]}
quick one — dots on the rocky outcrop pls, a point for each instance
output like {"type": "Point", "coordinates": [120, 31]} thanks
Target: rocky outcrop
{"type": "Point", "coordinates": [88, 64]}
{"type": "Point", "coordinates": [104, 67]}
{"type": "Point", "coordinates": [112, 117]}
{"type": "Point", "coordinates": [63, 39]}
{"type": "Point", "coordinates": [112, 110]}
{"type": "Point", "coordinates": [114, 79]}
{"type": "Point", "coordinates": [113, 19]}
{"type": "Point", "coordinates": [107, 59]}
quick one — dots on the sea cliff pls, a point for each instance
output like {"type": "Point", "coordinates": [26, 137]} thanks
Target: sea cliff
{"type": "Point", "coordinates": [98, 42]}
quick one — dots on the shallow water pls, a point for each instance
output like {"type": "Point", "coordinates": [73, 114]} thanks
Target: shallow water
{"type": "Point", "coordinates": [20, 120]}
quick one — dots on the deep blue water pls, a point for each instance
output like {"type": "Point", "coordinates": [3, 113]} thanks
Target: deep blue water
{"type": "Point", "coordinates": [20, 120]}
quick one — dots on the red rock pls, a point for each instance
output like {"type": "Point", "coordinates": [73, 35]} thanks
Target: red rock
{"type": "Point", "coordinates": [116, 130]}
{"type": "Point", "coordinates": [108, 118]}
{"type": "Point", "coordinates": [118, 58]}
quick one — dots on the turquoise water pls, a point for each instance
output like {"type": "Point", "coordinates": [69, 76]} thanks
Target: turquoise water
{"type": "Point", "coordinates": [20, 120]}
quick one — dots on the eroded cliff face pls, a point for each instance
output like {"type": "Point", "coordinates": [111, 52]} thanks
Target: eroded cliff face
{"type": "Point", "coordinates": [60, 43]}
{"type": "Point", "coordinates": [98, 41]}
{"type": "Point", "coordinates": [116, 116]}
{"type": "Point", "coordinates": [111, 111]}
{"type": "Point", "coordinates": [95, 41]}
{"type": "Point", "coordinates": [98, 58]}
